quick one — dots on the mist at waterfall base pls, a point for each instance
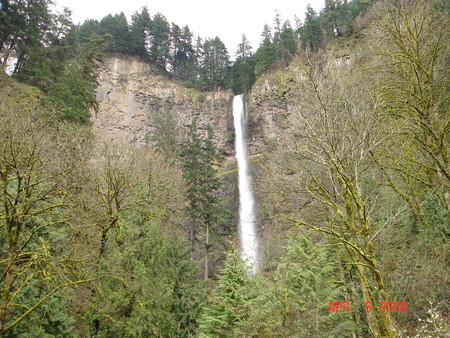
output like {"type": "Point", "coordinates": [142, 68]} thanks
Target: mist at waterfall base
{"type": "Point", "coordinates": [247, 228]}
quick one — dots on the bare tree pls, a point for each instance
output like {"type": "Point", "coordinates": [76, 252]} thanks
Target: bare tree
{"type": "Point", "coordinates": [326, 164]}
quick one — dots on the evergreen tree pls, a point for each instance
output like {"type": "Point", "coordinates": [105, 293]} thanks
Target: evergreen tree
{"type": "Point", "coordinates": [187, 68]}
{"type": "Point", "coordinates": [117, 27]}
{"type": "Point", "coordinates": [164, 134]}
{"type": "Point", "coordinates": [266, 53]}
{"type": "Point", "coordinates": [205, 209]}
{"type": "Point", "coordinates": [189, 292]}
{"type": "Point", "coordinates": [46, 63]}
{"type": "Point", "coordinates": [229, 306]}
{"type": "Point", "coordinates": [26, 27]}
{"type": "Point", "coordinates": [336, 17]}
{"type": "Point", "coordinates": [311, 33]}
{"type": "Point", "coordinates": [244, 49]}
{"type": "Point", "coordinates": [243, 71]}
{"type": "Point", "coordinates": [88, 29]}
{"type": "Point", "coordinates": [183, 63]}
{"type": "Point", "coordinates": [140, 32]}
{"type": "Point", "coordinates": [72, 94]}
{"type": "Point", "coordinates": [277, 26]}
{"type": "Point", "coordinates": [176, 48]}
{"type": "Point", "coordinates": [288, 42]}
{"type": "Point", "coordinates": [305, 276]}
{"type": "Point", "coordinates": [295, 297]}
{"type": "Point", "coordinates": [215, 64]}
{"type": "Point", "coordinates": [159, 51]}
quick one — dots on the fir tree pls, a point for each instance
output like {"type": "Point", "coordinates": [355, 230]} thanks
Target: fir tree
{"type": "Point", "coordinates": [117, 27]}
{"type": "Point", "coordinates": [139, 32]}
{"type": "Point", "coordinates": [311, 32]}
{"type": "Point", "coordinates": [164, 134]}
{"type": "Point", "coordinates": [205, 209]}
{"type": "Point", "coordinates": [215, 64]}
{"type": "Point", "coordinates": [244, 67]}
{"type": "Point", "coordinates": [266, 53]}
{"type": "Point", "coordinates": [187, 69]}
{"type": "Point", "coordinates": [160, 41]}
{"type": "Point", "coordinates": [288, 42]}
{"type": "Point", "coordinates": [228, 307]}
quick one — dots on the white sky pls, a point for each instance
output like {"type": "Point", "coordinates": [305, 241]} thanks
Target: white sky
{"type": "Point", "coordinates": [227, 19]}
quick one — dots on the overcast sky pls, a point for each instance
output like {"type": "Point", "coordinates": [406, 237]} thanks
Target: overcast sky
{"type": "Point", "coordinates": [228, 19]}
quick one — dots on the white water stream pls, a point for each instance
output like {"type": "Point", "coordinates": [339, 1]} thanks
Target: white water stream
{"type": "Point", "coordinates": [247, 228]}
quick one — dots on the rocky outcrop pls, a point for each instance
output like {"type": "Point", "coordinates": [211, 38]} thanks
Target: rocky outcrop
{"type": "Point", "coordinates": [130, 92]}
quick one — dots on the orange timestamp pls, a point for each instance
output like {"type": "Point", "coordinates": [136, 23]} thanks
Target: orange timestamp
{"type": "Point", "coordinates": [382, 307]}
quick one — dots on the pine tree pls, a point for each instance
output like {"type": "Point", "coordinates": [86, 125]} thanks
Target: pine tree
{"type": "Point", "coordinates": [266, 53]}
{"type": "Point", "coordinates": [337, 17]}
{"type": "Point", "coordinates": [187, 64]}
{"type": "Point", "coordinates": [160, 41]}
{"type": "Point", "coordinates": [228, 306]}
{"type": "Point", "coordinates": [87, 29]}
{"type": "Point", "coordinates": [164, 135]}
{"type": "Point", "coordinates": [215, 64]}
{"type": "Point", "coordinates": [311, 32]}
{"type": "Point", "coordinates": [139, 33]}
{"type": "Point", "coordinates": [205, 209]}
{"type": "Point", "coordinates": [288, 42]}
{"type": "Point", "coordinates": [25, 29]}
{"type": "Point", "coordinates": [46, 63]}
{"type": "Point", "coordinates": [117, 27]}
{"type": "Point", "coordinates": [72, 94]}
{"type": "Point", "coordinates": [295, 296]}
{"type": "Point", "coordinates": [176, 48]}
{"type": "Point", "coordinates": [243, 68]}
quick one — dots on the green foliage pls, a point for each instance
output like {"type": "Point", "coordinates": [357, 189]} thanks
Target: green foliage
{"type": "Point", "coordinates": [294, 299]}
{"type": "Point", "coordinates": [243, 71]}
{"type": "Point", "coordinates": [72, 94]}
{"type": "Point", "coordinates": [337, 17]}
{"type": "Point", "coordinates": [159, 52]}
{"type": "Point", "coordinates": [38, 176]}
{"type": "Point", "coordinates": [228, 306]}
{"type": "Point", "coordinates": [164, 134]}
{"type": "Point", "coordinates": [27, 26]}
{"type": "Point", "coordinates": [116, 26]}
{"type": "Point", "coordinates": [270, 141]}
{"type": "Point", "coordinates": [46, 64]}
{"type": "Point", "coordinates": [184, 62]}
{"type": "Point", "coordinates": [200, 161]}
{"type": "Point", "coordinates": [139, 32]}
{"type": "Point", "coordinates": [111, 222]}
{"type": "Point", "coordinates": [52, 319]}
{"type": "Point", "coordinates": [200, 157]}
{"type": "Point", "coordinates": [214, 64]}
{"type": "Point", "coordinates": [311, 32]}
{"type": "Point", "coordinates": [436, 232]}
{"type": "Point", "coordinates": [188, 291]}
{"type": "Point", "coordinates": [266, 53]}
{"type": "Point", "coordinates": [139, 254]}
{"type": "Point", "coordinates": [288, 42]}
{"type": "Point", "coordinates": [230, 136]}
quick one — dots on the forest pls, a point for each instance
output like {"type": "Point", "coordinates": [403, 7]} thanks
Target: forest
{"type": "Point", "coordinates": [100, 238]}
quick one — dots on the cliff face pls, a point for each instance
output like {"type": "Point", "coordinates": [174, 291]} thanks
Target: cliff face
{"type": "Point", "coordinates": [130, 92]}
{"type": "Point", "coordinates": [276, 98]}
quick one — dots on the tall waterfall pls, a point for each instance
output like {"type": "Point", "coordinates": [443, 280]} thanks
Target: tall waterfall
{"type": "Point", "coordinates": [247, 228]}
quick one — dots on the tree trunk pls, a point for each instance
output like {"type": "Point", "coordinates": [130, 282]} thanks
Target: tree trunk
{"type": "Point", "coordinates": [6, 290]}
{"type": "Point", "coordinates": [207, 253]}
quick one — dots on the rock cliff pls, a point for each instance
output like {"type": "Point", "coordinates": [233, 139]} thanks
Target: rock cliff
{"type": "Point", "coordinates": [130, 92]}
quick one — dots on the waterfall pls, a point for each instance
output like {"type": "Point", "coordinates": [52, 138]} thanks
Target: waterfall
{"type": "Point", "coordinates": [247, 228]}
